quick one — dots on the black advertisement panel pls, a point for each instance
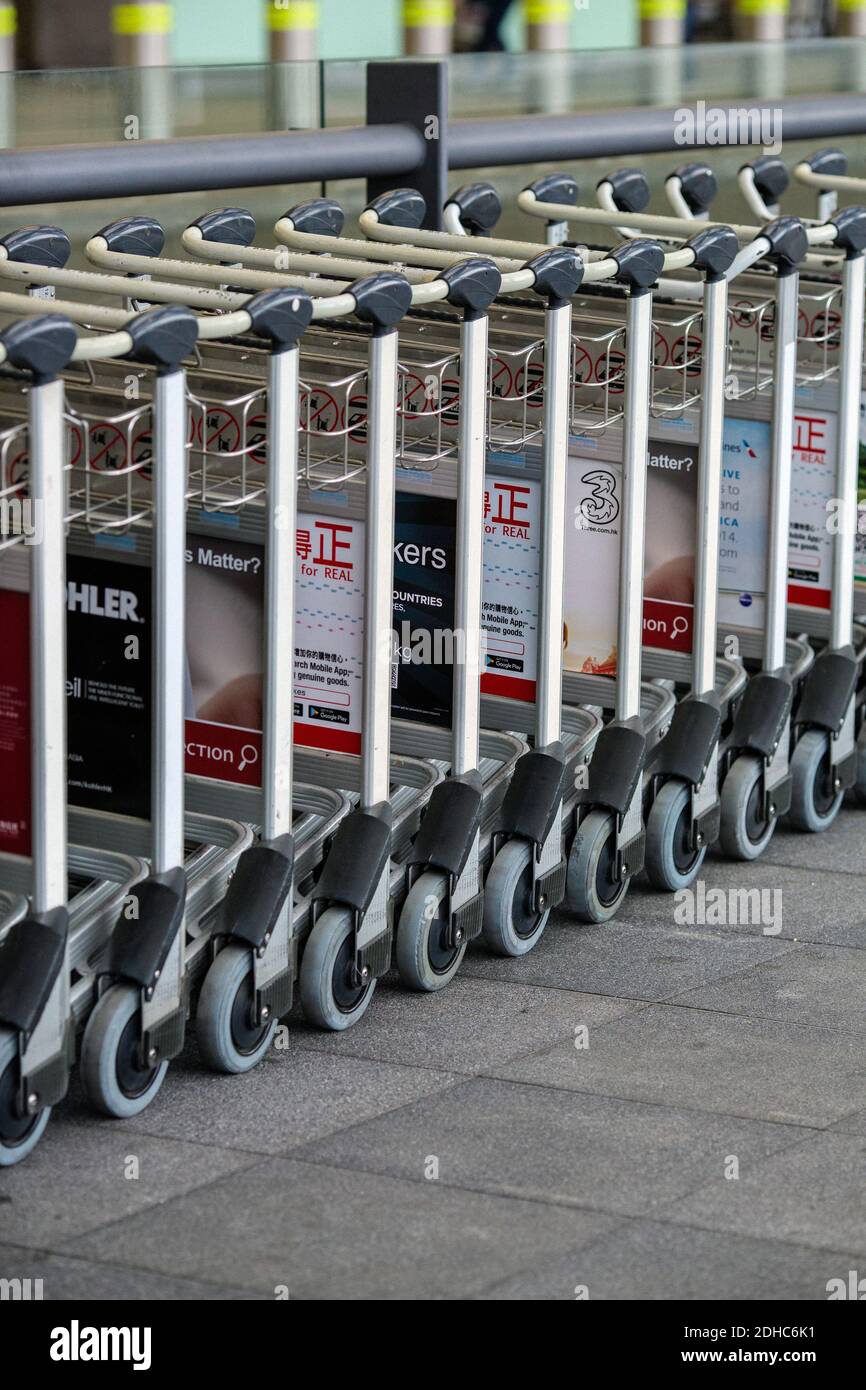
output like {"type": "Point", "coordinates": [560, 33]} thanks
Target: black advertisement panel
{"type": "Point", "coordinates": [108, 685]}
{"type": "Point", "coordinates": [424, 608]}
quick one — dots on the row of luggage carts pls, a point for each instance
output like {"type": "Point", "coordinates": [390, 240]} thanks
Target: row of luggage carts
{"type": "Point", "coordinates": [435, 483]}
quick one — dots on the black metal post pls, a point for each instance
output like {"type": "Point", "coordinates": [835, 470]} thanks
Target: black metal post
{"type": "Point", "coordinates": [413, 94]}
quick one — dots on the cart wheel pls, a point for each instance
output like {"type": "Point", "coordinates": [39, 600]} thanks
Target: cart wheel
{"type": "Point", "coordinates": [112, 1074]}
{"type": "Point", "coordinates": [744, 832]}
{"type": "Point", "coordinates": [19, 1134]}
{"type": "Point", "coordinates": [229, 1039]}
{"type": "Point", "coordinates": [594, 895]}
{"type": "Point", "coordinates": [814, 801]}
{"type": "Point", "coordinates": [512, 926]}
{"type": "Point", "coordinates": [425, 958]}
{"type": "Point", "coordinates": [330, 995]}
{"type": "Point", "coordinates": [671, 860]}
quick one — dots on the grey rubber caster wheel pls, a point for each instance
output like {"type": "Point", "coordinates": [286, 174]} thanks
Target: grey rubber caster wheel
{"type": "Point", "coordinates": [115, 1078]}
{"type": "Point", "coordinates": [815, 802]}
{"type": "Point", "coordinates": [744, 832]}
{"type": "Point", "coordinates": [426, 959]}
{"type": "Point", "coordinates": [229, 1039]}
{"type": "Point", "coordinates": [19, 1134]}
{"type": "Point", "coordinates": [512, 926]}
{"type": "Point", "coordinates": [671, 860]}
{"type": "Point", "coordinates": [593, 894]}
{"type": "Point", "coordinates": [331, 996]}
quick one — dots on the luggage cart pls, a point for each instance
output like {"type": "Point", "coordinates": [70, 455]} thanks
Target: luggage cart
{"type": "Point", "coordinates": [333, 373]}
{"type": "Point", "coordinates": [72, 894]}
{"type": "Point", "coordinates": [686, 818]}
{"type": "Point", "coordinates": [518, 903]}
{"type": "Point", "coordinates": [417, 777]}
{"type": "Point", "coordinates": [137, 1022]}
{"type": "Point", "coordinates": [682, 805]}
{"type": "Point", "coordinates": [827, 755]}
{"type": "Point", "coordinates": [436, 430]}
{"type": "Point", "coordinates": [398, 209]}
{"type": "Point", "coordinates": [764, 727]}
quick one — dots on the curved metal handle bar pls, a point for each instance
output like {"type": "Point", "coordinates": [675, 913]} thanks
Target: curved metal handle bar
{"type": "Point", "coordinates": [98, 253]}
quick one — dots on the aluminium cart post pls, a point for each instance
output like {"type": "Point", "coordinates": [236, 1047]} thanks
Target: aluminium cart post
{"type": "Point", "coordinates": [257, 913]}
{"type": "Point", "coordinates": [759, 746]}
{"type": "Point", "coordinates": [449, 837]}
{"type": "Point", "coordinates": [356, 875]}
{"type": "Point", "coordinates": [616, 771]}
{"type": "Point", "coordinates": [34, 981]}
{"type": "Point", "coordinates": [824, 763]}
{"type": "Point", "coordinates": [163, 1002]}
{"type": "Point", "coordinates": [776, 776]}
{"type": "Point", "coordinates": [139, 1022]}
{"type": "Point", "coordinates": [532, 807]}
{"type": "Point", "coordinates": [686, 760]}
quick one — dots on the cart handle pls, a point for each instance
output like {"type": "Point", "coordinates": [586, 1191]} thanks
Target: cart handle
{"type": "Point", "coordinates": [41, 347]}
{"type": "Point", "coordinates": [428, 248]}
{"type": "Point", "coordinates": [762, 182]}
{"type": "Point", "coordinates": [827, 170]}
{"type": "Point", "coordinates": [597, 266]}
{"type": "Point", "coordinates": [202, 238]}
{"type": "Point", "coordinates": [237, 224]}
{"type": "Point", "coordinates": [473, 209]}
{"type": "Point", "coordinates": [429, 284]}
{"type": "Point", "coordinates": [124, 247]}
{"type": "Point", "coordinates": [690, 190]}
{"type": "Point", "coordinates": [147, 232]}
{"type": "Point", "coordinates": [820, 234]}
{"type": "Point", "coordinates": [19, 264]}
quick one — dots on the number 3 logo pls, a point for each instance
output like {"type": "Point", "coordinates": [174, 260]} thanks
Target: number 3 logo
{"type": "Point", "coordinates": [602, 507]}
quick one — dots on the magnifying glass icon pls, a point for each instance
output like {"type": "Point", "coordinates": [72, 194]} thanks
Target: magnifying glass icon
{"type": "Point", "coordinates": [679, 624]}
{"type": "Point", "coordinates": [249, 756]}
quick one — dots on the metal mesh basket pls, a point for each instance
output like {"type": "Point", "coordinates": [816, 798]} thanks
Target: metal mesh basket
{"type": "Point", "coordinates": [677, 362]}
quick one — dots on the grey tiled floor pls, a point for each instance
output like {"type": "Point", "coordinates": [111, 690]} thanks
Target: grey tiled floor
{"type": "Point", "coordinates": [644, 1110]}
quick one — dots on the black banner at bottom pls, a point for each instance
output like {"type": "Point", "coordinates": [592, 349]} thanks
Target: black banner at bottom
{"type": "Point", "coordinates": [64, 1339]}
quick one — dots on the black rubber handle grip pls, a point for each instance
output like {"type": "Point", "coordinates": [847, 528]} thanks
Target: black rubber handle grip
{"type": "Point", "coordinates": [48, 246]}
{"type": "Point", "coordinates": [850, 224]}
{"type": "Point", "coordinates": [639, 262]}
{"type": "Point", "coordinates": [554, 188]}
{"type": "Point", "coordinates": [715, 249]}
{"type": "Point", "coordinates": [163, 337]}
{"type": "Point", "coordinates": [321, 216]}
{"type": "Point", "coordinates": [771, 176]}
{"type": "Point", "coordinates": [558, 273]}
{"type": "Point", "coordinates": [235, 226]}
{"type": "Point", "coordinates": [631, 192]}
{"type": "Point", "coordinates": [698, 185]}
{"type": "Point", "coordinates": [41, 346]}
{"type": "Point", "coordinates": [402, 207]}
{"type": "Point", "coordinates": [480, 206]}
{"type": "Point", "coordinates": [788, 243]}
{"type": "Point", "coordinates": [828, 161]}
{"type": "Point", "coordinates": [382, 299]}
{"type": "Point", "coordinates": [134, 236]}
{"type": "Point", "coordinates": [472, 284]}
{"type": "Point", "coordinates": [280, 315]}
